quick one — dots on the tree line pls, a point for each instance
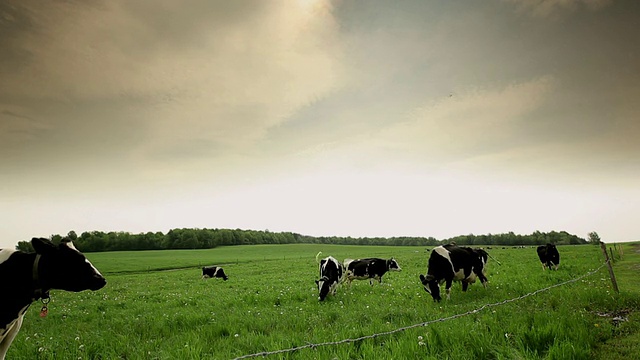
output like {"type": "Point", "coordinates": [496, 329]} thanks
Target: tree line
{"type": "Point", "coordinates": [98, 241]}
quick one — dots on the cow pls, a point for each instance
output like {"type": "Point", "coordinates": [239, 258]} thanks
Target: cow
{"type": "Point", "coordinates": [450, 262]}
{"type": "Point", "coordinates": [28, 277]}
{"type": "Point", "coordinates": [331, 273]}
{"type": "Point", "coordinates": [549, 256]}
{"type": "Point", "coordinates": [370, 268]}
{"type": "Point", "coordinates": [214, 271]}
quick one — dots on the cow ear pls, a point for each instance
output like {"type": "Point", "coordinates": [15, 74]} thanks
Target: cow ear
{"type": "Point", "coordinates": [66, 244]}
{"type": "Point", "coordinates": [317, 282]}
{"type": "Point", "coordinates": [42, 245]}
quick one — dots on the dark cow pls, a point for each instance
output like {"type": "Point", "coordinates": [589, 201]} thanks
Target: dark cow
{"type": "Point", "coordinates": [450, 262]}
{"type": "Point", "coordinates": [549, 256]}
{"type": "Point", "coordinates": [331, 272]}
{"type": "Point", "coordinates": [214, 271]}
{"type": "Point", "coordinates": [371, 268]}
{"type": "Point", "coordinates": [28, 277]}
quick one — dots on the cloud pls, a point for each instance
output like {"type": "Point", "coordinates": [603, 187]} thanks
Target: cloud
{"type": "Point", "coordinates": [190, 78]}
{"type": "Point", "coordinates": [544, 8]}
{"type": "Point", "coordinates": [469, 123]}
{"type": "Point", "coordinates": [165, 52]}
{"type": "Point", "coordinates": [17, 127]}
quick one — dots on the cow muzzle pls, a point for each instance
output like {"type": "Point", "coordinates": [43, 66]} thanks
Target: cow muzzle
{"type": "Point", "coordinates": [97, 283]}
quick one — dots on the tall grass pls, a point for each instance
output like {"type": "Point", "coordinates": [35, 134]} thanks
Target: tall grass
{"type": "Point", "coordinates": [270, 303]}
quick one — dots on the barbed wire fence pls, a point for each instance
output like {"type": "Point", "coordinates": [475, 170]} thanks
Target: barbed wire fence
{"type": "Point", "coordinates": [422, 324]}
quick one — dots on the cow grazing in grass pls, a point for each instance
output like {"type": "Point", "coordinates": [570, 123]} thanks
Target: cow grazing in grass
{"type": "Point", "coordinates": [331, 272]}
{"type": "Point", "coordinates": [450, 262]}
{"type": "Point", "coordinates": [214, 271]}
{"type": "Point", "coordinates": [370, 268]}
{"type": "Point", "coordinates": [28, 277]}
{"type": "Point", "coordinates": [549, 256]}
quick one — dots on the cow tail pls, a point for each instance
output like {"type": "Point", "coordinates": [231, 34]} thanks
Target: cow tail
{"type": "Point", "coordinates": [494, 259]}
{"type": "Point", "coordinates": [318, 257]}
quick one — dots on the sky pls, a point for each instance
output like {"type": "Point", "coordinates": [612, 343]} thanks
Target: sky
{"type": "Point", "coordinates": [324, 118]}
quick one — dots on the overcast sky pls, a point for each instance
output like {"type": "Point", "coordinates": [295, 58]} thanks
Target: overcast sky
{"type": "Point", "coordinates": [346, 118]}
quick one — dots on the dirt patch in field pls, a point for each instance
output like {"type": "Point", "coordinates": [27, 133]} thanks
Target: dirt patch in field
{"type": "Point", "coordinates": [617, 317]}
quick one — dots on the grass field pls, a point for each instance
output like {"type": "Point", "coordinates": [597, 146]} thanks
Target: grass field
{"type": "Point", "coordinates": [156, 306]}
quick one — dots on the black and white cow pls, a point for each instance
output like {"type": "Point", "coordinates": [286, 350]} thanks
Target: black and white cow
{"type": "Point", "coordinates": [331, 272]}
{"type": "Point", "coordinates": [450, 262]}
{"type": "Point", "coordinates": [549, 256]}
{"type": "Point", "coordinates": [28, 277]}
{"type": "Point", "coordinates": [214, 271]}
{"type": "Point", "coordinates": [370, 268]}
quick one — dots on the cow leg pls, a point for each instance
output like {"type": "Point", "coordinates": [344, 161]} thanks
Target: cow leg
{"type": "Point", "coordinates": [9, 336]}
{"type": "Point", "coordinates": [448, 288]}
{"type": "Point", "coordinates": [465, 286]}
{"type": "Point", "coordinates": [544, 267]}
{"type": "Point", "coordinates": [483, 280]}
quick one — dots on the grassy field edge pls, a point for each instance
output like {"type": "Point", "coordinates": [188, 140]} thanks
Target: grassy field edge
{"type": "Point", "coordinates": [625, 341]}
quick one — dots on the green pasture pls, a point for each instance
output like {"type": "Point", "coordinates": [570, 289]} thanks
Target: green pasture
{"type": "Point", "coordinates": [157, 306]}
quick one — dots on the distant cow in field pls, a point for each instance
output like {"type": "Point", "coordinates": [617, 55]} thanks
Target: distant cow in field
{"type": "Point", "coordinates": [214, 272]}
{"type": "Point", "coordinates": [28, 277]}
{"type": "Point", "coordinates": [450, 262]}
{"type": "Point", "coordinates": [370, 268]}
{"type": "Point", "coordinates": [549, 256]}
{"type": "Point", "coordinates": [331, 272]}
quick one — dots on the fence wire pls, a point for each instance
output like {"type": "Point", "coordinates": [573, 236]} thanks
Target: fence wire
{"type": "Point", "coordinates": [405, 328]}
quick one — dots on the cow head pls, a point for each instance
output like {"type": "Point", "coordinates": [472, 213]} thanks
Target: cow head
{"type": "Point", "coordinates": [392, 264]}
{"type": "Point", "coordinates": [65, 268]}
{"type": "Point", "coordinates": [430, 285]}
{"type": "Point", "coordinates": [323, 287]}
{"type": "Point", "coordinates": [220, 273]}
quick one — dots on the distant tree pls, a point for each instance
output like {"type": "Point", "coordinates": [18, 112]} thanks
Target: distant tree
{"type": "Point", "coordinates": [56, 238]}
{"type": "Point", "coordinates": [24, 246]}
{"type": "Point", "coordinates": [95, 241]}
{"type": "Point", "coordinates": [594, 238]}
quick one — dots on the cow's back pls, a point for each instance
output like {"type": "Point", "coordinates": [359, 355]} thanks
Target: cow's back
{"type": "Point", "coordinates": [459, 263]}
{"type": "Point", "coordinates": [331, 268]}
{"type": "Point", "coordinates": [331, 272]}
{"type": "Point", "coordinates": [360, 268]}
{"type": "Point", "coordinates": [440, 264]}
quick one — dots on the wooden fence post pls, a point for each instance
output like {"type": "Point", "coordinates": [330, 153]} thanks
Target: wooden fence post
{"type": "Point", "coordinates": [613, 259]}
{"type": "Point", "coordinates": [611, 274]}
